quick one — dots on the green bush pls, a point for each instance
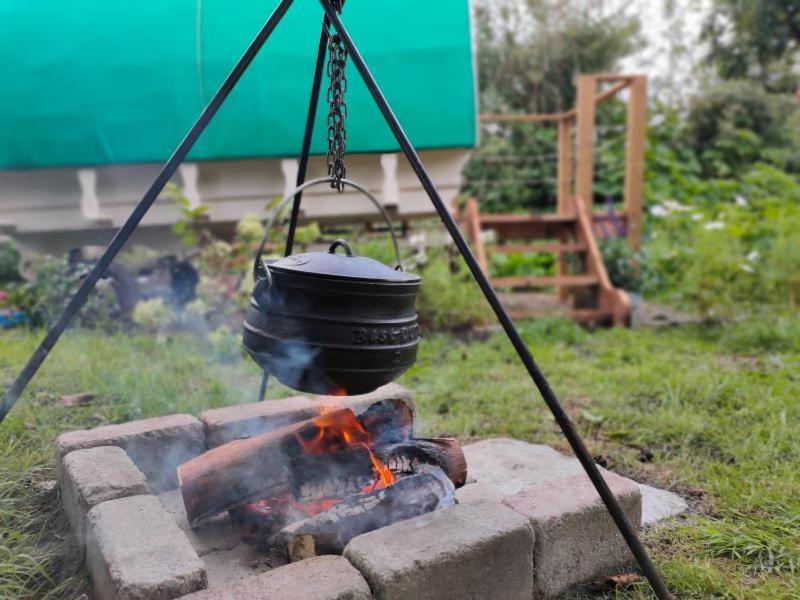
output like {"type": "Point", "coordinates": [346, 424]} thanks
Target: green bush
{"type": "Point", "coordinates": [728, 247]}
{"type": "Point", "coordinates": [9, 263]}
{"type": "Point", "coordinates": [449, 298]}
{"type": "Point", "coordinates": [518, 264]}
{"type": "Point", "coordinates": [621, 263]}
{"type": "Point", "coordinates": [51, 284]}
{"type": "Point", "coordinates": [735, 124]}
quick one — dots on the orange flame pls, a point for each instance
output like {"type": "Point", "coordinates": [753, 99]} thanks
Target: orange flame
{"type": "Point", "coordinates": [336, 429]}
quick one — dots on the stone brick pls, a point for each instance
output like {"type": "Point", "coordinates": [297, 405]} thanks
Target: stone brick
{"type": "Point", "coordinates": [135, 550]}
{"type": "Point", "coordinates": [224, 425]}
{"type": "Point", "coordinates": [157, 446]}
{"type": "Point", "coordinates": [512, 465]}
{"type": "Point", "coordinates": [473, 493]}
{"type": "Point", "coordinates": [89, 477]}
{"type": "Point", "coordinates": [230, 423]}
{"type": "Point", "coordinates": [576, 540]}
{"type": "Point", "coordinates": [388, 392]}
{"type": "Point", "coordinates": [660, 505]}
{"type": "Point", "coordinates": [214, 534]}
{"type": "Point", "coordinates": [482, 551]}
{"type": "Point", "coordinates": [318, 578]}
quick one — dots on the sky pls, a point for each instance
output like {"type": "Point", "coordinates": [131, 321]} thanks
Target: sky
{"type": "Point", "coordinates": [671, 30]}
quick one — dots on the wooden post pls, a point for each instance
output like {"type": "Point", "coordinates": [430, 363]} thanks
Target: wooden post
{"type": "Point", "coordinates": [564, 191]}
{"type": "Point", "coordinates": [474, 231]}
{"type": "Point", "coordinates": [584, 153]}
{"type": "Point", "coordinates": [634, 159]}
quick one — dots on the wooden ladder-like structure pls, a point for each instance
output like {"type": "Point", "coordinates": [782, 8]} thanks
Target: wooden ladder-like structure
{"type": "Point", "coordinates": [592, 299]}
{"type": "Point", "coordinates": [572, 231]}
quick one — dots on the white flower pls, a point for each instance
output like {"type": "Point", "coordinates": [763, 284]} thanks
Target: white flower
{"type": "Point", "coordinates": [417, 239]}
{"type": "Point", "coordinates": [675, 206]}
{"type": "Point", "coordinates": [740, 201]}
{"type": "Point", "coordinates": [697, 217]}
{"type": "Point", "coordinates": [747, 268]}
{"type": "Point", "coordinates": [714, 225]}
{"type": "Point", "coordinates": [658, 211]}
{"type": "Point", "coordinates": [753, 256]}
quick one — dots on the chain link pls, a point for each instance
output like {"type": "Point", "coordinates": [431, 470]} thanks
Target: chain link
{"type": "Point", "coordinates": [337, 110]}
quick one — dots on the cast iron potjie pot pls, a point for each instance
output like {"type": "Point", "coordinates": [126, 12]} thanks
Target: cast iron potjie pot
{"type": "Point", "coordinates": [330, 323]}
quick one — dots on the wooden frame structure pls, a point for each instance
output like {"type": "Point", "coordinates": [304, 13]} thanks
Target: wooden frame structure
{"type": "Point", "coordinates": [575, 225]}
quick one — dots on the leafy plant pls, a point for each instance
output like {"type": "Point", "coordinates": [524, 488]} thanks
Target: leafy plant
{"type": "Point", "coordinates": [729, 247]}
{"type": "Point", "coordinates": [623, 265]}
{"type": "Point", "coordinates": [153, 315]}
{"type": "Point", "coordinates": [188, 226]}
{"type": "Point", "coordinates": [51, 284]}
{"type": "Point", "coordinates": [9, 263]}
{"type": "Point", "coordinates": [735, 124]}
{"type": "Point", "coordinates": [518, 263]}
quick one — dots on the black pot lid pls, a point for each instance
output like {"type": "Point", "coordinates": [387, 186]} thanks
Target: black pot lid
{"type": "Point", "coordinates": [341, 266]}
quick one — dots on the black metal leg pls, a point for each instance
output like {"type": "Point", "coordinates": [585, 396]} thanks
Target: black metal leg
{"type": "Point", "coordinates": [302, 166]}
{"type": "Point", "coordinates": [79, 298]}
{"type": "Point", "coordinates": [303, 161]}
{"type": "Point", "coordinates": [564, 422]}
{"type": "Point", "coordinates": [262, 391]}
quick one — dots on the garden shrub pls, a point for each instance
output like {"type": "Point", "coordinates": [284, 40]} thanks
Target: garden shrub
{"type": "Point", "coordinates": [737, 123]}
{"type": "Point", "coordinates": [51, 284]}
{"type": "Point", "coordinates": [9, 263]}
{"type": "Point", "coordinates": [726, 247]}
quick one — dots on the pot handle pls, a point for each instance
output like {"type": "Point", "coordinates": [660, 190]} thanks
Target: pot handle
{"type": "Point", "coordinates": [259, 270]}
{"type": "Point", "coordinates": [263, 286]}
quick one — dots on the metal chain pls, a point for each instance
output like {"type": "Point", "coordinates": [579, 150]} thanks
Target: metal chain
{"type": "Point", "coordinates": [337, 136]}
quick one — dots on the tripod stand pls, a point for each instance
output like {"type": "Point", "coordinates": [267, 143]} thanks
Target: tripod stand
{"type": "Point", "coordinates": [332, 19]}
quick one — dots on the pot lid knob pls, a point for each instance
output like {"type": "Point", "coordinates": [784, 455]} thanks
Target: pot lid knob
{"type": "Point", "coordinates": [343, 244]}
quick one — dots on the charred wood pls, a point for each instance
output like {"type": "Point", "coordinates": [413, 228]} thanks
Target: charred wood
{"type": "Point", "coordinates": [328, 532]}
{"type": "Point", "coordinates": [243, 471]}
{"type": "Point", "coordinates": [444, 452]}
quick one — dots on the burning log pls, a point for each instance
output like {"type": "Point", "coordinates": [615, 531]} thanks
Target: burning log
{"type": "Point", "coordinates": [387, 421]}
{"type": "Point", "coordinates": [328, 532]}
{"type": "Point", "coordinates": [444, 452]}
{"type": "Point", "coordinates": [246, 470]}
{"type": "Point", "coordinates": [327, 457]}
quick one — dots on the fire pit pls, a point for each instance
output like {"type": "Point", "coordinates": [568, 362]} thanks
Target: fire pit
{"type": "Point", "coordinates": [329, 498]}
{"type": "Point", "coordinates": [310, 487]}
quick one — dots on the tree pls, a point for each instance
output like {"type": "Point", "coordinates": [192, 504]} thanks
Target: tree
{"type": "Point", "coordinates": [756, 39]}
{"type": "Point", "coordinates": [529, 51]}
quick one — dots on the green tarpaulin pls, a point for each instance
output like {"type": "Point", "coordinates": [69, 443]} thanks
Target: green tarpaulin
{"type": "Point", "coordinates": [93, 82]}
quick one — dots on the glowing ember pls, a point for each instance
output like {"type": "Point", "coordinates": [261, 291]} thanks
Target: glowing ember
{"type": "Point", "coordinates": [334, 431]}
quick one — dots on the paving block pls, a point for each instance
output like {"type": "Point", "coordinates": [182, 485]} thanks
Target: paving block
{"type": "Point", "coordinates": [478, 551]}
{"type": "Point", "coordinates": [214, 534]}
{"type": "Point", "coordinates": [474, 493]}
{"type": "Point", "coordinates": [89, 477]}
{"type": "Point", "coordinates": [231, 423]}
{"type": "Point", "coordinates": [135, 551]}
{"type": "Point", "coordinates": [576, 540]}
{"type": "Point", "coordinates": [659, 505]}
{"type": "Point", "coordinates": [513, 465]}
{"type": "Point", "coordinates": [318, 578]}
{"type": "Point", "coordinates": [157, 446]}
{"type": "Point", "coordinates": [224, 425]}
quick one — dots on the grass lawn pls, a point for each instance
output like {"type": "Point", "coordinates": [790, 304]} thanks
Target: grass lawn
{"type": "Point", "coordinates": [714, 412]}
